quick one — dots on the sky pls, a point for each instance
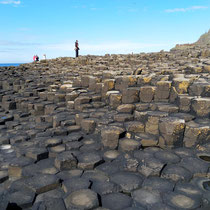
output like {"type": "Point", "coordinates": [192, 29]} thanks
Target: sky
{"type": "Point", "coordinates": [51, 27]}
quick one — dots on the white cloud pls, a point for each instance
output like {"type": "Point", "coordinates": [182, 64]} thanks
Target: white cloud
{"type": "Point", "coordinates": [186, 9]}
{"type": "Point", "coordinates": [10, 2]}
{"type": "Point", "coordinates": [17, 43]}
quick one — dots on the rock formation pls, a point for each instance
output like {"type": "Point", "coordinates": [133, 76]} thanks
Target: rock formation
{"type": "Point", "coordinates": [107, 132]}
{"type": "Point", "coordinates": [203, 42]}
{"type": "Point", "coordinates": [204, 39]}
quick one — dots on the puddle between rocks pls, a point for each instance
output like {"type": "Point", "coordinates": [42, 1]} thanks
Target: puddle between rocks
{"type": "Point", "coordinates": [206, 185]}
{"type": "Point", "coordinates": [205, 158]}
{"type": "Point", "coordinates": [5, 147]}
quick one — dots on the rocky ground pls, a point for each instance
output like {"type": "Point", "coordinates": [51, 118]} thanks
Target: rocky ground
{"type": "Point", "coordinates": [120, 132]}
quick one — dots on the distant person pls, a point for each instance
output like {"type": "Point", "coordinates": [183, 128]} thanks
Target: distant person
{"type": "Point", "coordinates": [34, 58]}
{"type": "Point", "coordinates": [77, 48]}
{"type": "Point", "coordinates": [37, 58]}
{"type": "Point", "coordinates": [44, 56]}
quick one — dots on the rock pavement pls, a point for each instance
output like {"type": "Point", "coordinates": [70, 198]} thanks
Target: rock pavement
{"type": "Point", "coordinates": [106, 132]}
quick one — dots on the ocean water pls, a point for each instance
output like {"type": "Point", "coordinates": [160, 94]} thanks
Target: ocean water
{"type": "Point", "coordinates": [10, 64]}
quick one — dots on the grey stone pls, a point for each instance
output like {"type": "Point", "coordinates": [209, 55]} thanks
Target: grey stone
{"type": "Point", "coordinates": [75, 184]}
{"type": "Point", "coordinates": [116, 201]}
{"type": "Point", "coordinates": [145, 198]}
{"type": "Point", "coordinates": [43, 183]}
{"type": "Point", "coordinates": [104, 188]}
{"type": "Point", "coordinates": [127, 181]}
{"type": "Point", "coordinates": [167, 157]}
{"type": "Point", "coordinates": [65, 161]}
{"type": "Point", "coordinates": [176, 173]}
{"type": "Point", "coordinates": [180, 201]}
{"type": "Point", "coordinates": [82, 199]}
{"type": "Point", "coordinates": [89, 161]}
{"type": "Point", "coordinates": [157, 183]}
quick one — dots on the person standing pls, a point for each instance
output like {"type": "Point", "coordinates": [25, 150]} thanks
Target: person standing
{"type": "Point", "coordinates": [77, 48]}
{"type": "Point", "coordinates": [37, 58]}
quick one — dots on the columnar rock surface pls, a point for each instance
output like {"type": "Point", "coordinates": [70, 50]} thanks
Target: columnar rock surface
{"type": "Point", "coordinates": [107, 132]}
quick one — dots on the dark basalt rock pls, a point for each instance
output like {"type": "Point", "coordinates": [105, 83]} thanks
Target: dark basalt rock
{"type": "Point", "coordinates": [116, 201]}
{"type": "Point", "coordinates": [107, 132]}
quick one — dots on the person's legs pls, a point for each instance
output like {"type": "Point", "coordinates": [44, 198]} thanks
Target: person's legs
{"type": "Point", "coordinates": [77, 53]}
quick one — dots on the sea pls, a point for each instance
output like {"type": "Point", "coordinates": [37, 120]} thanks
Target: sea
{"type": "Point", "coordinates": [10, 64]}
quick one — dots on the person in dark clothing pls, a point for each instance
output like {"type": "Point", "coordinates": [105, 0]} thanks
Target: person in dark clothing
{"type": "Point", "coordinates": [37, 58]}
{"type": "Point", "coordinates": [77, 48]}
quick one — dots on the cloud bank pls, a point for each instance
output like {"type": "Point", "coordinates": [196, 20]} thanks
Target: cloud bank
{"type": "Point", "coordinates": [10, 2]}
{"type": "Point", "coordinates": [186, 9]}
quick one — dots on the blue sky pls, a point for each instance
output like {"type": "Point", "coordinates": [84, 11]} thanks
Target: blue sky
{"type": "Point", "coordinates": [51, 27]}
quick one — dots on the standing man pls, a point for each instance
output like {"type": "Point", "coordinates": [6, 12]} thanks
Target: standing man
{"type": "Point", "coordinates": [77, 48]}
